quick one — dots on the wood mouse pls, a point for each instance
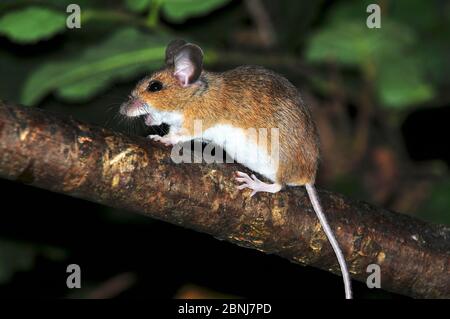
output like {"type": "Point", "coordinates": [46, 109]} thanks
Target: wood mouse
{"type": "Point", "coordinates": [228, 104]}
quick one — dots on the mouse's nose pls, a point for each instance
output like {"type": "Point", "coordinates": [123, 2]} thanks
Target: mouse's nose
{"type": "Point", "coordinates": [133, 107]}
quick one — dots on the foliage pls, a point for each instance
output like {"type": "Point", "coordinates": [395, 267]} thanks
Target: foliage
{"type": "Point", "coordinates": [177, 10]}
{"type": "Point", "coordinates": [32, 24]}
{"type": "Point", "coordinates": [137, 5]}
{"type": "Point", "coordinates": [180, 10]}
{"type": "Point", "coordinates": [387, 55]}
{"type": "Point", "coordinates": [92, 66]}
{"type": "Point", "coordinates": [390, 57]}
{"type": "Point", "coordinates": [126, 53]}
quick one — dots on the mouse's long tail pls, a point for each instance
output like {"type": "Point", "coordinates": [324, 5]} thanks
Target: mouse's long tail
{"type": "Point", "coordinates": [326, 227]}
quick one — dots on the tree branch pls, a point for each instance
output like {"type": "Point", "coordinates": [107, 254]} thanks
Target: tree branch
{"type": "Point", "coordinates": [63, 155]}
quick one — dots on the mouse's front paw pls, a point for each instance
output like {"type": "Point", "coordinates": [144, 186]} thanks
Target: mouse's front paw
{"type": "Point", "coordinates": [168, 140]}
{"type": "Point", "coordinates": [162, 139]}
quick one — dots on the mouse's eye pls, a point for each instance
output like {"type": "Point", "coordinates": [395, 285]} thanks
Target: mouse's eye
{"type": "Point", "coordinates": [154, 86]}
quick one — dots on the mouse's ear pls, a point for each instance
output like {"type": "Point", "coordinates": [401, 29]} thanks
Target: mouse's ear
{"type": "Point", "coordinates": [172, 49]}
{"type": "Point", "coordinates": [188, 64]}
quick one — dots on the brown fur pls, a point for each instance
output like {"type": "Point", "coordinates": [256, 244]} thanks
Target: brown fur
{"type": "Point", "coordinates": [245, 97]}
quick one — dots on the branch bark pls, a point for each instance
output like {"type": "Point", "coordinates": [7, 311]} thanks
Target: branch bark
{"type": "Point", "coordinates": [63, 155]}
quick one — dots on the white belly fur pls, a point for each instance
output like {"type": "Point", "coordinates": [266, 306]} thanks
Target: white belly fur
{"type": "Point", "coordinates": [242, 149]}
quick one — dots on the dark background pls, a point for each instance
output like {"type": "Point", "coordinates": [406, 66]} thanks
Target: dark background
{"type": "Point", "coordinates": [380, 98]}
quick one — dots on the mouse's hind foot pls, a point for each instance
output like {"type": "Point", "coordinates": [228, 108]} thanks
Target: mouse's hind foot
{"type": "Point", "coordinates": [253, 183]}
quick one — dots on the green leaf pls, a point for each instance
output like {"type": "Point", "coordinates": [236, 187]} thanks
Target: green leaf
{"type": "Point", "coordinates": [32, 24]}
{"type": "Point", "coordinates": [352, 43]}
{"type": "Point", "coordinates": [344, 44]}
{"type": "Point", "coordinates": [137, 5]}
{"type": "Point", "coordinates": [400, 84]}
{"type": "Point", "coordinates": [385, 55]}
{"type": "Point", "coordinates": [180, 10]}
{"type": "Point", "coordinates": [124, 55]}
